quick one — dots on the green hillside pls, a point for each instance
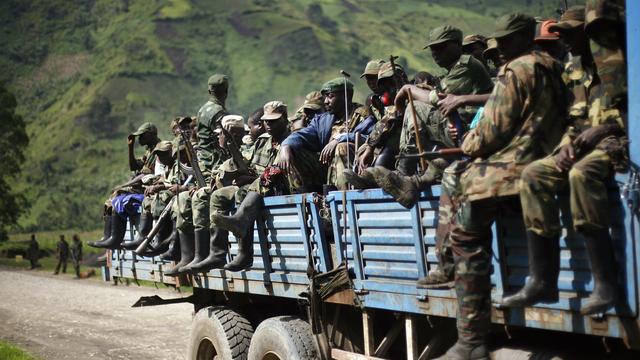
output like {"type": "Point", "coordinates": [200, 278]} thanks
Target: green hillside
{"type": "Point", "coordinates": [87, 72]}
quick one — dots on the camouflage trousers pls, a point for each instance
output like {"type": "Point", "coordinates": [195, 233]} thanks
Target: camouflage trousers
{"type": "Point", "coordinates": [471, 246]}
{"type": "Point", "coordinates": [432, 129]}
{"type": "Point", "coordinates": [339, 163]}
{"type": "Point", "coordinates": [308, 174]}
{"type": "Point", "coordinates": [588, 181]}
{"type": "Point", "coordinates": [200, 208]}
{"type": "Point", "coordinates": [155, 203]}
{"type": "Point", "coordinates": [225, 199]}
{"type": "Point", "coordinates": [184, 213]}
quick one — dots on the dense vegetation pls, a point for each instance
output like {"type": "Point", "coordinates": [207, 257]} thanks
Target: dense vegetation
{"type": "Point", "coordinates": [87, 72]}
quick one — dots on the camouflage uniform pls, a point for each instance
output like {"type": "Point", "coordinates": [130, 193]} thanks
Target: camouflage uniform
{"type": "Point", "coordinates": [155, 203]}
{"type": "Point", "coordinates": [335, 171]}
{"type": "Point", "coordinates": [209, 115]}
{"type": "Point", "coordinates": [520, 124]}
{"type": "Point", "coordinates": [592, 173]}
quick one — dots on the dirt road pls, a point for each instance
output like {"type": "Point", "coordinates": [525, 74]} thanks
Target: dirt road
{"type": "Point", "coordinates": [63, 318]}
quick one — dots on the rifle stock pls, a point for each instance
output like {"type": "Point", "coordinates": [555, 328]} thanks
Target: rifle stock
{"type": "Point", "coordinates": [193, 160]}
{"type": "Point", "coordinates": [236, 155]}
{"type": "Point", "coordinates": [433, 154]}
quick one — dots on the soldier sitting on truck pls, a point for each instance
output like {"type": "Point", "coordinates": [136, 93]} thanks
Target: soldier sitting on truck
{"type": "Point", "coordinates": [129, 195]}
{"type": "Point", "coordinates": [522, 122]}
{"type": "Point", "coordinates": [592, 150]}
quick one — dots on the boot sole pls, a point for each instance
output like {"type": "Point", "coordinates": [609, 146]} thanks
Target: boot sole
{"type": "Point", "coordinates": [445, 285]}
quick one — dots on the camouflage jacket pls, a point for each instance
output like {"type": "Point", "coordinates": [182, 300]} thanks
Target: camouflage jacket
{"type": "Point", "coordinates": [523, 120]}
{"type": "Point", "coordinates": [209, 152]}
{"type": "Point", "coordinates": [265, 153]}
{"type": "Point", "coordinates": [147, 163]}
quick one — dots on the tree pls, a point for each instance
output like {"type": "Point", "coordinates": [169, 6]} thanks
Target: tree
{"type": "Point", "coordinates": [13, 141]}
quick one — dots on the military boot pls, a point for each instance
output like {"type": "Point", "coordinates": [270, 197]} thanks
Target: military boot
{"type": "Point", "coordinates": [403, 188]}
{"type": "Point", "coordinates": [118, 229]}
{"type": "Point", "coordinates": [244, 259]}
{"type": "Point", "coordinates": [160, 246]}
{"type": "Point", "coordinates": [360, 182]}
{"type": "Point", "coordinates": [218, 248]}
{"type": "Point", "coordinates": [173, 253]}
{"type": "Point", "coordinates": [436, 279]}
{"type": "Point", "coordinates": [463, 350]}
{"type": "Point", "coordinates": [201, 250]}
{"type": "Point", "coordinates": [144, 226]}
{"type": "Point", "coordinates": [106, 232]}
{"type": "Point", "coordinates": [186, 253]}
{"type": "Point", "coordinates": [244, 218]}
{"type": "Point", "coordinates": [603, 267]}
{"type": "Point", "coordinates": [544, 267]}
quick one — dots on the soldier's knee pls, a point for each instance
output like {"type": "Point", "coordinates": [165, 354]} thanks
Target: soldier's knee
{"type": "Point", "coordinates": [576, 177]}
{"type": "Point", "coordinates": [531, 175]}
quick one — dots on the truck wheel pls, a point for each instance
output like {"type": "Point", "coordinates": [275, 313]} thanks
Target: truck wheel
{"type": "Point", "coordinates": [283, 338]}
{"type": "Point", "coordinates": [219, 333]}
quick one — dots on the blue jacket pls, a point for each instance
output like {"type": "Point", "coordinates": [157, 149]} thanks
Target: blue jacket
{"type": "Point", "coordinates": [317, 134]}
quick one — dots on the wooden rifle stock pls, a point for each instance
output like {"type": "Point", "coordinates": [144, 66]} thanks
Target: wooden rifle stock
{"type": "Point", "coordinates": [193, 159]}
{"type": "Point", "coordinates": [433, 154]}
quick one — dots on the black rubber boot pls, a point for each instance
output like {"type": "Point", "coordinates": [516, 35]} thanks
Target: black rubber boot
{"type": "Point", "coordinates": [544, 267]}
{"type": "Point", "coordinates": [186, 253]}
{"type": "Point", "coordinates": [244, 259]}
{"type": "Point", "coordinates": [118, 229]}
{"type": "Point", "coordinates": [603, 267]}
{"type": "Point", "coordinates": [201, 251]}
{"type": "Point", "coordinates": [173, 253]}
{"type": "Point", "coordinates": [218, 248]}
{"type": "Point", "coordinates": [244, 218]}
{"type": "Point", "coordinates": [162, 246]}
{"type": "Point", "coordinates": [364, 181]}
{"type": "Point", "coordinates": [144, 226]}
{"type": "Point", "coordinates": [462, 350]}
{"type": "Point", "coordinates": [106, 232]}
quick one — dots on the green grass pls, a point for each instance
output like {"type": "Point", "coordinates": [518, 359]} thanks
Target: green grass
{"type": "Point", "coordinates": [10, 352]}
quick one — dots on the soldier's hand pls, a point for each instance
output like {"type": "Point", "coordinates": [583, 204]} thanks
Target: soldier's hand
{"type": "Point", "coordinates": [565, 158]}
{"type": "Point", "coordinates": [175, 188]}
{"type": "Point", "coordinates": [453, 131]}
{"type": "Point", "coordinates": [401, 98]}
{"type": "Point", "coordinates": [589, 138]}
{"type": "Point", "coordinates": [286, 158]}
{"type": "Point", "coordinates": [449, 103]}
{"type": "Point", "coordinates": [327, 153]}
{"type": "Point", "coordinates": [365, 159]}
{"type": "Point", "coordinates": [131, 140]}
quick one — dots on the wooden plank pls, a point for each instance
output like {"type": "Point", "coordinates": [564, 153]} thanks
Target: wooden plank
{"type": "Point", "coordinates": [338, 354]}
{"type": "Point", "coordinates": [367, 327]}
{"type": "Point", "coordinates": [412, 337]}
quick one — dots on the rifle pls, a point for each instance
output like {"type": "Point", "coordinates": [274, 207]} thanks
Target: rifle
{"type": "Point", "coordinates": [135, 180]}
{"type": "Point", "coordinates": [193, 160]}
{"type": "Point", "coordinates": [236, 155]}
{"type": "Point", "coordinates": [164, 215]}
{"type": "Point", "coordinates": [432, 154]}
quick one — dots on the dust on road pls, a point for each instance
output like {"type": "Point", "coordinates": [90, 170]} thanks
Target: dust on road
{"type": "Point", "coordinates": [63, 318]}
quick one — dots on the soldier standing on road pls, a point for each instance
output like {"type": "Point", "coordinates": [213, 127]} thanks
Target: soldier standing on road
{"type": "Point", "coordinates": [62, 253]}
{"type": "Point", "coordinates": [33, 253]}
{"type": "Point", "coordinates": [522, 122]}
{"type": "Point", "coordinates": [76, 254]}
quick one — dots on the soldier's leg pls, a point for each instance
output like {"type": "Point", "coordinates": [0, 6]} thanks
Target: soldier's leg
{"type": "Point", "coordinates": [307, 175]}
{"type": "Point", "coordinates": [540, 183]}
{"type": "Point", "coordinates": [64, 266]}
{"type": "Point", "coordinates": [57, 269]}
{"type": "Point", "coordinates": [340, 163]}
{"type": "Point", "coordinates": [590, 209]}
{"type": "Point", "coordinates": [184, 223]}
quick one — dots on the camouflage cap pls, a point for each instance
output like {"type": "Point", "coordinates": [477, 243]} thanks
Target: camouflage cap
{"type": "Point", "coordinates": [509, 24]}
{"type": "Point", "coordinates": [544, 34]}
{"type": "Point", "coordinates": [274, 110]}
{"type": "Point", "coordinates": [229, 122]}
{"type": "Point", "coordinates": [162, 146]}
{"type": "Point", "coordinates": [336, 85]}
{"type": "Point", "coordinates": [474, 38]}
{"type": "Point", "coordinates": [217, 80]}
{"type": "Point", "coordinates": [573, 17]}
{"type": "Point", "coordinates": [386, 71]}
{"type": "Point", "coordinates": [444, 33]}
{"type": "Point", "coordinates": [372, 67]}
{"type": "Point", "coordinates": [146, 127]}
{"type": "Point", "coordinates": [313, 101]}
{"type": "Point", "coordinates": [492, 47]}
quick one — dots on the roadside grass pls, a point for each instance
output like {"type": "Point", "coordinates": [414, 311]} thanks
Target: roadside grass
{"type": "Point", "coordinates": [10, 352]}
{"type": "Point", "coordinates": [47, 240]}
{"type": "Point", "coordinates": [48, 264]}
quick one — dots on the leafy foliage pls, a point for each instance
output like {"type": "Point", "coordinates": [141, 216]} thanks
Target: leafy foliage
{"type": "Point", "coordinates": [88, 72]}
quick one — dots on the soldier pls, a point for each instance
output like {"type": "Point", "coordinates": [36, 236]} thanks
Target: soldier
{"type": "Point", "coordinates": [255, 130]}
{"type": "Point", "coordinates": [33, 252]}
{"type": "Point", "coordinates": [492, 57]}
{"type": "Point", "coordinates": [147, 135]}
{"type": "Point", "coordinates": [210, 154]}
{"type": "Point", "coordinates": [76, 254]}
{"type": "Point", "coordinates": [592, 150]}
{"type": "Point", "coordinates": [313, 105]}
{"type": "Point", "coordinates": [425, 80]}
{"type": "Point", "coordinates": [549, 41]}
{"type": "Point", "coordinates": [247, 191]}
{"type": "Point", "coordinates": [194, 238]}
{"type": "Point", "coordinates": [520, 124]}
{"type": "Point", "coordinates": [475, 45]}
{"type": "Point", "coordinates": [329, 135]}
{"type": "Point", "coordinates": [62, 253]}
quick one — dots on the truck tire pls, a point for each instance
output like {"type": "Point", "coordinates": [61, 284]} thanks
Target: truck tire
{"type": "Point", "coordinates": [220, 333]}
{"type": "Point", "coordinates": [283, 338]}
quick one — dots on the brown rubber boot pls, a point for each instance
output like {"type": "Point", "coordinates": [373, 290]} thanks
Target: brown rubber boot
{"type": "Point", "coordinates": [360, 182]}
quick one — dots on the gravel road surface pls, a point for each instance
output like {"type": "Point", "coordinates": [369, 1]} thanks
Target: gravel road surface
{"type": "Point", "coordinates": [59, 317]}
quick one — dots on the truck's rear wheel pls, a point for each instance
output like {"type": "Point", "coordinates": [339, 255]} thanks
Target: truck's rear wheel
{"type": "Point", "coordinates": [283, 338]}
{"type": "Point", "coordinates": [219, 333]}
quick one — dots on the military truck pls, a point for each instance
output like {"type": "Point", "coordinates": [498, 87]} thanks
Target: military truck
{"type": "Point", "coordinates": [334, 278]}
